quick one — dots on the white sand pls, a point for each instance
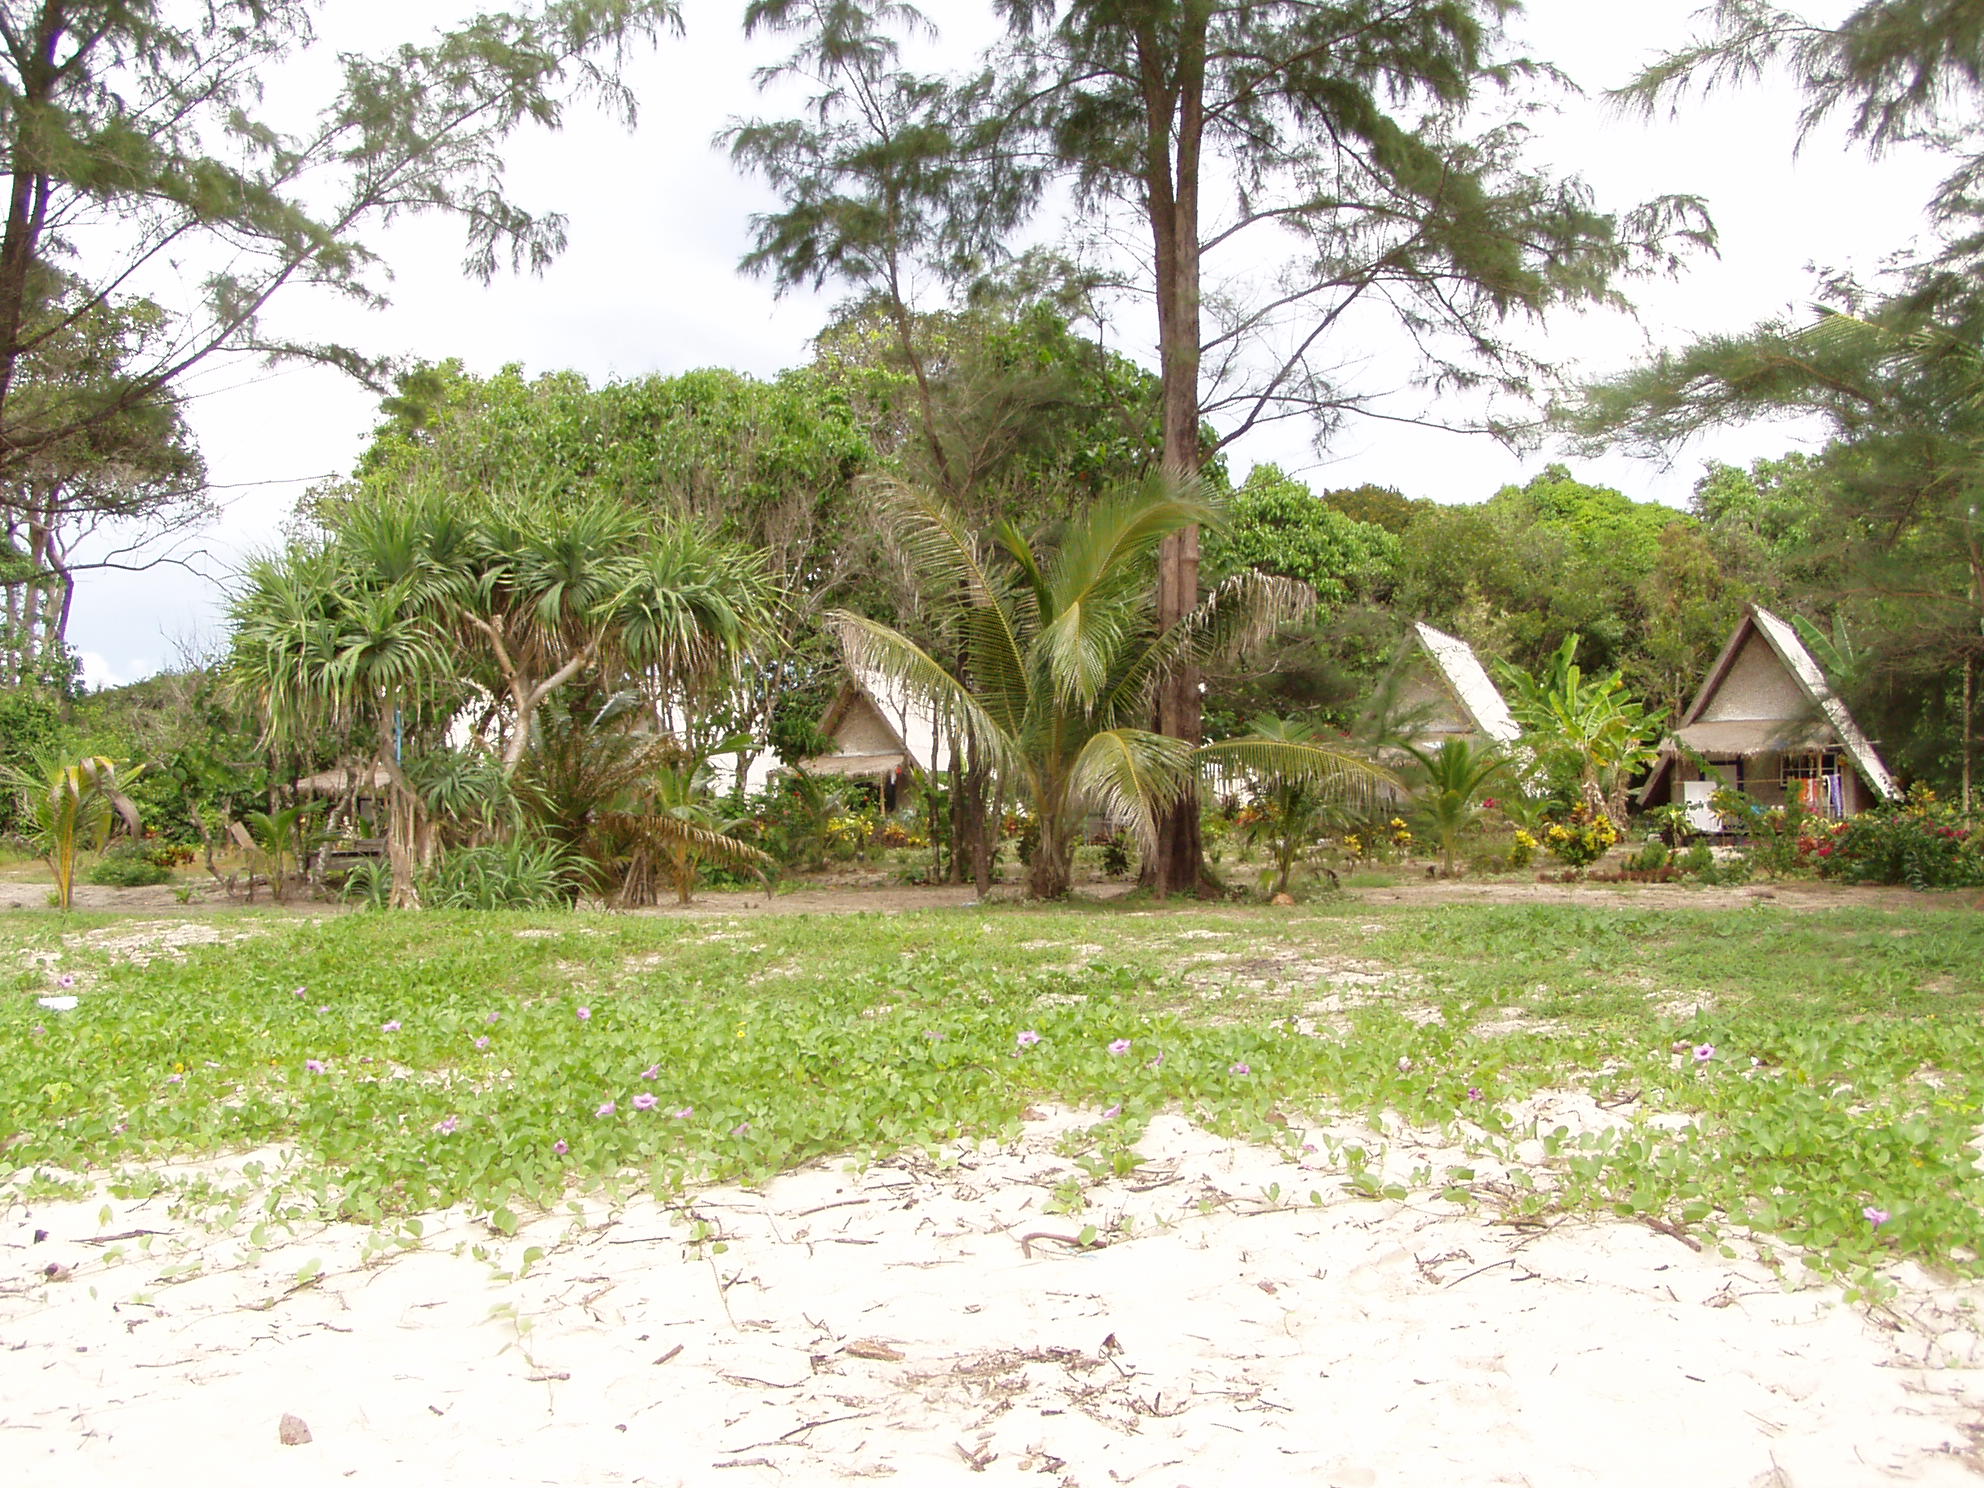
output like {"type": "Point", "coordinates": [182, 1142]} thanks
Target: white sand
{"type": "Point", "coordinates": [889, 1323]}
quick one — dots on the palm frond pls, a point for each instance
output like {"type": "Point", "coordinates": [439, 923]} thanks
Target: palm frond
{"type": "Point", "coordinates": [661, 829]}
{"type": "Point", "coordinates": [1242, 612]}
{"type": "Point", "coordinates": [1331, 770]}
{"type": "Point", "coordinates": [1131, 773]}
{"type": "Point", "coordinates": [1106, 556]}
{"type": "Point", "coordinates": [932, 537]}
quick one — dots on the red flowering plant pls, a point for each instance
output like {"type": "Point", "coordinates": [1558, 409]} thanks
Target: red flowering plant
{"type": "Point", "coordinates": [1920, 842]}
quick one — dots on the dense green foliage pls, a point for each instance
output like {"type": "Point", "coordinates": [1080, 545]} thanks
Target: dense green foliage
{"type": "Point", "coordinates": [1277, 525]}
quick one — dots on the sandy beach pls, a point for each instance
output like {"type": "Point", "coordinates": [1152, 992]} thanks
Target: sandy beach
{"type": "Point", "coordinates": [933, 1320]}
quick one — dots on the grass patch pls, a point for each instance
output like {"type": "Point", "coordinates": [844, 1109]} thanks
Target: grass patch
{"type": "Point", "coordinates": [415, 1062]}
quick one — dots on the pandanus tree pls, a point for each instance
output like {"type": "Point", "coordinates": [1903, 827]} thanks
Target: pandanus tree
{"type": "Point", "coordinates": [1062, 655]}
{"type": "Point", "coordinates": [324, 641]}
{"type": "Point", "coordinates": [417, 604]}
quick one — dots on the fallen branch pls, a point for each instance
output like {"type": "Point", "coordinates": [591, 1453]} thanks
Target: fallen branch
{"type": "Point", "coordinates": [1669, 1228]}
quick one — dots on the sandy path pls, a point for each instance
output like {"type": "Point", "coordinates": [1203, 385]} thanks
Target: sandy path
{"type": "Point", "coordinates": [892, 1324]}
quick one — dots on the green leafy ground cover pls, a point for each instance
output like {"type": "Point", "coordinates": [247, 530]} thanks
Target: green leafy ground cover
{"type": "Point", "coordinates": [1792, 1071]}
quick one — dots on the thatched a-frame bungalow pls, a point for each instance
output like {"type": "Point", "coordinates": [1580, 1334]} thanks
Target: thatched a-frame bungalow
{"type": "Point", "coordinates": [1768, 723]}
{"type": "Point", "coordinates": [880, 734]}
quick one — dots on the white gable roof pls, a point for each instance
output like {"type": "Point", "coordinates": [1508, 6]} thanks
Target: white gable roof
{"type": "Point", "coordinates": [1469, 682]}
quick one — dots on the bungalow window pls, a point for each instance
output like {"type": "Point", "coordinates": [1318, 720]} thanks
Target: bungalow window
{"type": "Point", "coordinates": [1813, 780]}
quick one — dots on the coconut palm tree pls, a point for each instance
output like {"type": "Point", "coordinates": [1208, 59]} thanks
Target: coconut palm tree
{"type": "Point", "coordinates": [73, 804]}
{"type": "Point", "coordinates": [1061, 655]}
{"type": "Point", "coordinates": [1454, 779]}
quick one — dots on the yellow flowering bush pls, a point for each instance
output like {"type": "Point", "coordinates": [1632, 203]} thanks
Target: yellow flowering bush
{"type": "Point", "coordinates": [1581, 839]}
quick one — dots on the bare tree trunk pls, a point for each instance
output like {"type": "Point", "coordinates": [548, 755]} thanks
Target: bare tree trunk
{"type": "Point", "coordinates": [401, 819]}
{"type": "Point", "coordinates": [1174, 109]}
{"type": "Point", "coordinates": [1969, 716]}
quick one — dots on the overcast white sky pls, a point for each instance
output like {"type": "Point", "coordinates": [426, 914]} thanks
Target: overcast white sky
{"type": "Point", "coordinates": [658, 221]}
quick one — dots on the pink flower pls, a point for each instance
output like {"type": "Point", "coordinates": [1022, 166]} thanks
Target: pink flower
{"type": "Point", "coordinates": [1157, 1061]}
{"type": "Point", "coordinates": [559, 1147]}
{"type": "Point", "coordinates": [1876, 1217]}
{"type": "Point", "coordinates": [646, 1102]}
{"type": "Point", "coordinates": [65, 981]}
{"type": "Point", "coordinates": [1120, 1046]}
{"type": "Point", "coordinates": [584, 1014]}
{"type": "Point", "coordinates": [1405, 1064]}
{"type": "Point", "coordinates": [315, 1066]}
{"type": "Point", "coordinates": [1027, 1038]}
{"type": "Point", "coordinates": [740, 1129]}
{"type": "Point", "coordinates": [299, 991]}
{"type": "Point", "coordinates": [175, 1079]}
{"type": "Point", "coordinates": [1239, 1068]}
{"type": "Point", "coordinates": [1113, 1112]}
{"type": "Point", "coordinates": [492, 1017]}
{"type": "Point", "coordinates": [652, 1072]}
{"type": "Point", "coordinates": [324, 1009]}
{"type": "Point", "coordinates": [1474, 1093]}
{"type": "Point", "coordinates": [447, 1127]}
{"type": "Point", "coordinates": [392, 1026]}
{"type": "Point", "coordinates": [483, 1042]}
{"type": "Point", "coordinates": [606, 1108]}
{"type": "Point", "coordinates": [1704, 1053]}
{"type": "Point", "coordinates": [685, 1113]}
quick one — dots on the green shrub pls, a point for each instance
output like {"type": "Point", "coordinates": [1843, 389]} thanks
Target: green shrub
{"type": "Point", "coordinates": [1116, 856]}
{"type": "Point", "coordinates": [1727, 872]}
{"type": "Point", "coordinates": [368, 883]}
{"type": "Point", "coordinates": [128, 865]}
{"type": "Point", "coordinates": [1581, 838]}
{"type": "Point", "coordinates": [1921, 843]}
{"type": "Point", "coordinates": [1651, 857]}
{"type": "Point", "coordinates": [1695, 860]}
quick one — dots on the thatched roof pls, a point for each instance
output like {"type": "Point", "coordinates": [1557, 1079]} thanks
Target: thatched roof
{"type": "Point", "coordinates": [339, 781]}
{"type": "Point", "coordinates": [854, 766]}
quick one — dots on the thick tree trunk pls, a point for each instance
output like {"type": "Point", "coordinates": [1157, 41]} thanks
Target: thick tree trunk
{"type": "Point", "coordinates": [1050, 874]}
